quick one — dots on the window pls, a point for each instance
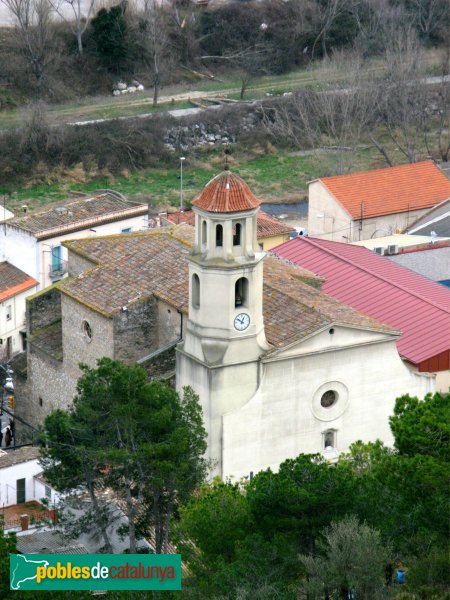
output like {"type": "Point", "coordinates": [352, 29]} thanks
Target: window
{"type": "Point", "coordinates": [86, 329]}
{"type": "Point", "coordinates": [48, 492]}
{"type": "Point", "coordinates": [195, 291]}
{"type": "Point", "coordinates": [237, 234]}
{"type": "Point", "coordinates": [56, 259]}
{"type": "Point", "coordinates": [241, 292]}
{"type": "Point", "coordinates": [9, 312]}
{"type": "Point", "coordinates": [329, 439]}
{"type": "Point", "coordinates": [204, 239]}
{"type": "Point", "coordinates": [219, 235]}
{"type": "Point", "coordinates": [328, 399]}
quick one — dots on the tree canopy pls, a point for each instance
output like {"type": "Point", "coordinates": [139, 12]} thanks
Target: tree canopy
{"type": "Point", "coordinates": [135, 437]}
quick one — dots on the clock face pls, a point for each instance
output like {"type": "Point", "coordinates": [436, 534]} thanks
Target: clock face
{"type": "Point", "coordinates": [241, 321]}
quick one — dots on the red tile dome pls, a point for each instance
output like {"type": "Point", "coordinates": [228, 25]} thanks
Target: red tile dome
{"type": "Point", "coordinates": [226, 193]}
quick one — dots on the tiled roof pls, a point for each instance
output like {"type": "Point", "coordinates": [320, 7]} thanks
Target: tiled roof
{"type": "Point", "coordinates": [387, 291]}
{"type": "Point", "coordinates": [390, 190]}
{"type": "Point", "coordinates": [47, 542]}
{"type": "Point", "coordinates": [267, 226]}
{"type": "Point", "coordinates": [226, 193]}
{"type": "Point", "coordinates": [79, 214]}
{"type": "Point", "coordinates": [13, 281]}
{"type": "Point", "coordinates": [134, 266]}
{"type": "Point", "coordinates": [18, 456]}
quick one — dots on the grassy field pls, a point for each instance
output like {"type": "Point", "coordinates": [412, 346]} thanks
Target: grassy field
{"type": "Point", "coordinates": [273, 175]}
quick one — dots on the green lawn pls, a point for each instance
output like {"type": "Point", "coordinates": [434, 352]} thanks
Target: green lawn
{"type": "Point", "coordinates": [276, 176]}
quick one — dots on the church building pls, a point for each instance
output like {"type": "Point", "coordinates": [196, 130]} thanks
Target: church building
{"type": "Point", "coordinates": [329, 375]}
{"type": "Point", "coordinates": [280, 366]}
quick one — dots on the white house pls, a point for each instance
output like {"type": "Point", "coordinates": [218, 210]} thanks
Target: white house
{"type": "Point", "coordinates": [32, 241]}
{"type": "Point", "coordinates": [21, 478]}
{"type": "Point", "coordinates": [15, 286]}
{"type": "Point", "coordinates": [370, 204]}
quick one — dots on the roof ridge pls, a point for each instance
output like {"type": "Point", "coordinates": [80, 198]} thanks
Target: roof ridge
{"type": "Point", "coordinates": [397, 285]}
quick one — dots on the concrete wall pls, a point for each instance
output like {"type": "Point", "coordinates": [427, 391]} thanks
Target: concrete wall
{"type": "Point", "coordinates": [285, 418]}
{"type": "Point", "coordinates": [329, 221]}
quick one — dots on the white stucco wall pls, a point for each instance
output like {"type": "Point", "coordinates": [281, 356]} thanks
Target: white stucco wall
{"type": "Point", "coordinates": [8, 482]}
{"type": "Point", "coordinates": [284, 417]}
{"type": "Point", "coordinates": [12, 327]}
{"type": "Point", "coordinates": [20, 249]}
{"type": "Point", "coordinates": [328, 220]}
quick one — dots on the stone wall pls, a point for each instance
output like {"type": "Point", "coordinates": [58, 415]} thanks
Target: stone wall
{"type": "Point", "coordinates": [136, 331]}
{"type": "Point", "coordinates": [78, 264]}
{"type": "Point", "coordinates": [43, 309]}
{"type": "Point", "coordinates": [162, 366]}
{"type": "Point", "coordinates": [77, 345]}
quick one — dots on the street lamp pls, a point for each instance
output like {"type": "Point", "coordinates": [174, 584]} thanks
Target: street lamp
{"type": "Point", "coordinates": [182, 158]}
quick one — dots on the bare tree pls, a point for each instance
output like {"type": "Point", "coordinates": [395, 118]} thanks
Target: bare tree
{"type": "Point", "coordinates": [80, 18]}
{"type": "Point", "coordinates": [332, 118]}
{"type": "Point", "coordinates": [326, 13]}
{"type": "Point", "coordinates": [153, 39]}
{"type": "Point", "coordinates": [401, 114]}
{"type": "Point", "coordinates": [34, 35]}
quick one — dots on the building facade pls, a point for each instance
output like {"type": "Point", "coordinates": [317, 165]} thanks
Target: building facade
{"type": "Point", "coordinates": [312, 384]}
{"type": "Point", "coordinates": [371, 204]}
{"type": "Point", "coordinates": [15, 286]}
{"type": "Point", "coordinates": [33, 242]}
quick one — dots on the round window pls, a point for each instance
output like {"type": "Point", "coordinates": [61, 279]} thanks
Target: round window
{"type": "Point", "coordinates": [86, 328]}
{"type": "Point", "coordinates": [328, 399]}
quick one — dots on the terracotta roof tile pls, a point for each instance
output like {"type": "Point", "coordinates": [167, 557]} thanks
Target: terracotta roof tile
{"type": "Point", "coordinates": [226, 193]}
{"type": "Point", "coordinates": [132, 267]}
{"type": "Point", "coordinates": [13, 281]}
{"type": "Point", "coordinates": [78, 214]}
{"type": "Point", "coordinates": [390, 190]}
{"type": "Point", "coordinates": [267, 226]}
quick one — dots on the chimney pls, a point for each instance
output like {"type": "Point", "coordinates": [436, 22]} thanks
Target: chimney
{"type": "Point", "coordinates": [24, 522]}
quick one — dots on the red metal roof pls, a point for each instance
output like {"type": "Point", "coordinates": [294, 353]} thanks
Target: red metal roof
{"type": "Point", "coordinates": [382, 289]}
{"type": "Point", "coordinates": [390, 190]}
{"type": "Point", "coordinates": [226, 193]}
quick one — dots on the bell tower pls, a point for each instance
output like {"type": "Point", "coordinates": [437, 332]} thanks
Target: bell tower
{"type": "Point", "coordinates": [224, 337]}
{"type": "Point", "coordinates": [225, 275]}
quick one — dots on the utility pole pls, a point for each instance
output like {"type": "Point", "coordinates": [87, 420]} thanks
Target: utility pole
{"type": "Point", "coordinates": [182, 158]}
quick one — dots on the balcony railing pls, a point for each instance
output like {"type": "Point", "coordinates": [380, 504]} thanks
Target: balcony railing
{"type": "Point", "coordinates": [57, 270]}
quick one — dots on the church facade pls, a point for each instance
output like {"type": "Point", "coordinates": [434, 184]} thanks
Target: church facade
{"type": "Point", "coordinates": [323, 377]}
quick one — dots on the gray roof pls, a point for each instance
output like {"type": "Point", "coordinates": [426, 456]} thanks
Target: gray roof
{"type": "Point", "coordinates": [436, 219]}
{"type": "Point", "coordinates": [73, 215]}
{"type": "Point", "coordinates": [47, 542]}
{"type": "Point", "coordinates": [18, 456]}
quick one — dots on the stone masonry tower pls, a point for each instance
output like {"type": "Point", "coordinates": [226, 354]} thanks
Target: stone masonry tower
{"type": "Point", "coordinates": [224, 338]}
